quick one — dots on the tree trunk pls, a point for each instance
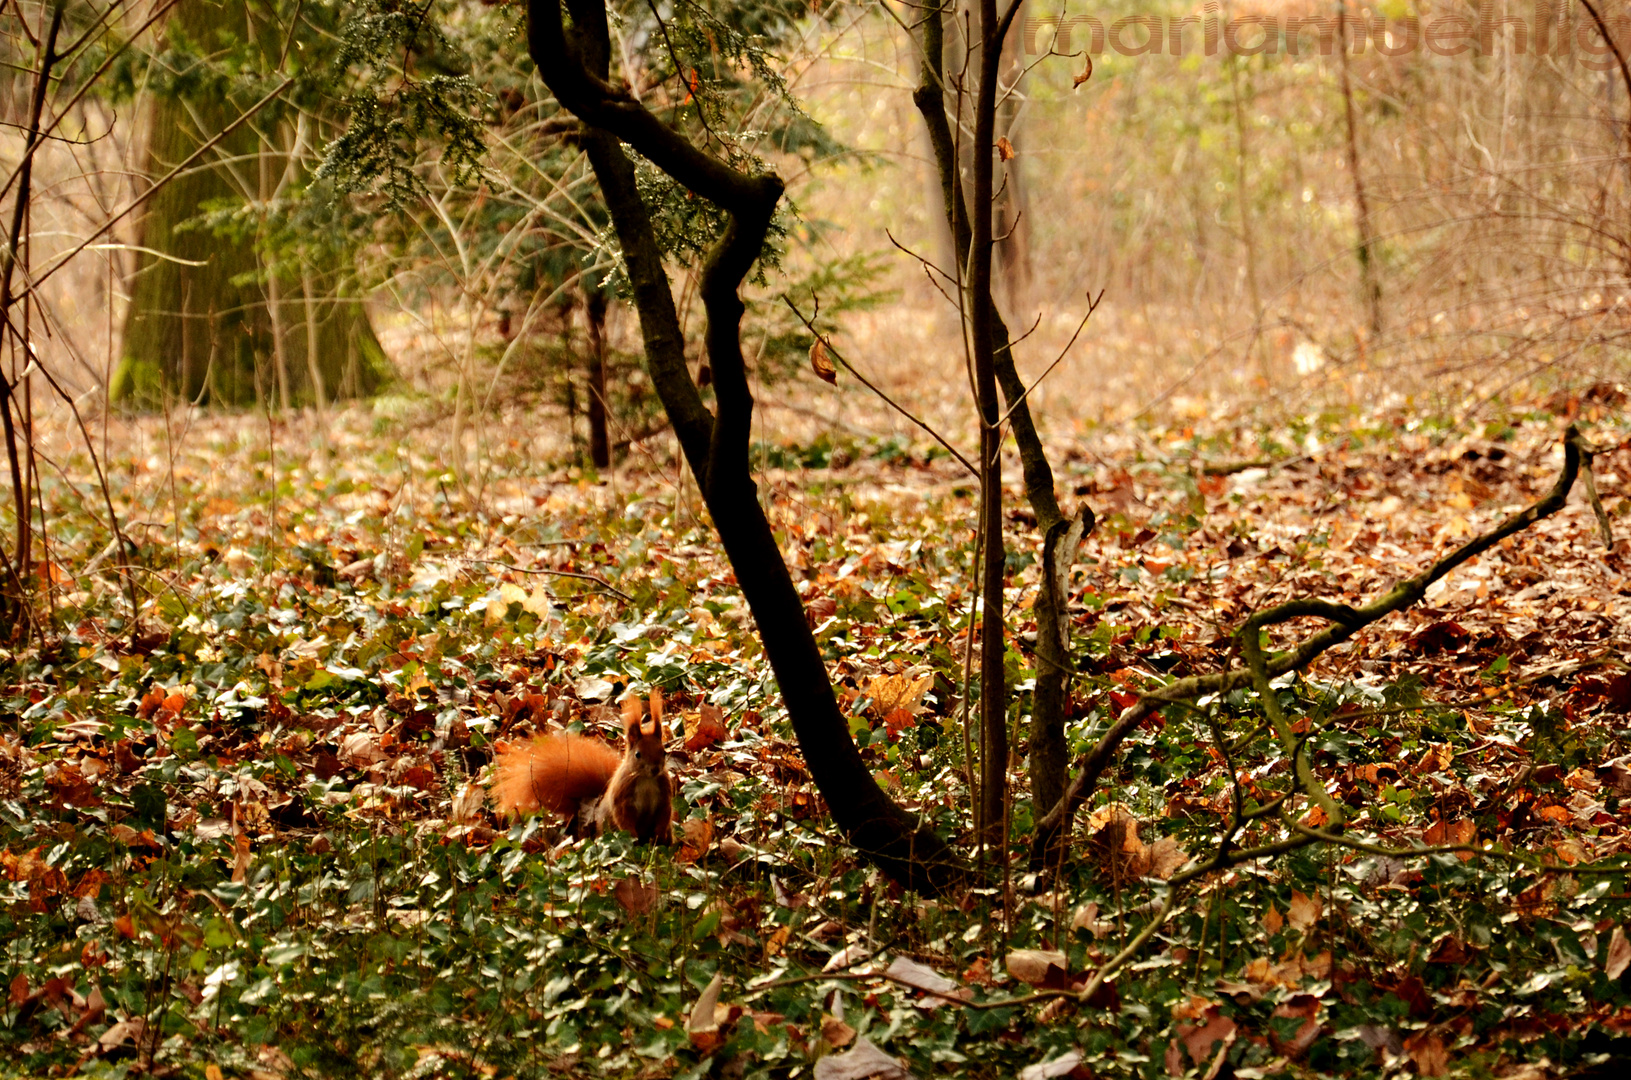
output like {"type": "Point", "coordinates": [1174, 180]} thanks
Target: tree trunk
{"type": "Point", "coordinates": [600, 445]}
{"type": "Point", "coordinates": [190, 329]}
{"type": "Point", "coordinates": [1049, 756]}
{"type": "Point", "coordinates": [575, 66]}
{"type": "Point", "coordinates": [1369, 283]}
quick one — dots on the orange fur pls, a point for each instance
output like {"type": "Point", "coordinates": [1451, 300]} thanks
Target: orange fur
{"type": "Point", "coordinates": [554, 772]}
{"type": "Point", "coordinates": [578, 776]}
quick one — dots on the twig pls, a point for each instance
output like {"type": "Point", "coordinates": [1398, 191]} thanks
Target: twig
{"type": "Point", "coordinates": [1345, 622]}
{"type": "Point", "coordinates": [833, 352]}
{"type": "Point", "coordinates": [1092, 306]}
{"type": "Point", "coordinates": [598, 580]}
{"type": "Point", "coordinates": [186, 163]}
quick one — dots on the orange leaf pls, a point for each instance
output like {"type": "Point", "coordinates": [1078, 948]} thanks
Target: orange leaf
{"type": "Point", "coordinates": [1005, 149]}
{"type": "Point", "coordinates": [821, 364]}
{"type": "Point", "coordinates": [699, 836]}
{"type": "Point", "coordinates": [897, 721]}
{"type": "Point", "coordinates": [422, 777]}
{"type": "Point", "coordinates": [705, 727]}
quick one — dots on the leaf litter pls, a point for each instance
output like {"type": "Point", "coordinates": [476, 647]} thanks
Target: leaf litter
{"type": "Point", "coordinates": [249, 831]}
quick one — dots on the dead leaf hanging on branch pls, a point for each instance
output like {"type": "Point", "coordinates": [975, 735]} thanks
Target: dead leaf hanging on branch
{"type": "Point", "coordinates": [821, 363]}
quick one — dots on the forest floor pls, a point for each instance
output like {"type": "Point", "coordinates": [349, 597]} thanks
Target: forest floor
{"type": "Point", "coordinates": [246, 835]}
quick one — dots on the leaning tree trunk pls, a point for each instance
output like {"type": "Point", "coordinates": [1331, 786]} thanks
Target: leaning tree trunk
{"type": "Point", "coordinates": [201, 323]}
{"type": "Point", "coordinates": [574, 64]}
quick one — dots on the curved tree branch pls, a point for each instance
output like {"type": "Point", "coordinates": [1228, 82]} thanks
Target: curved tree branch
{"type": "Point", "coordinates": [1344, 622]}
{"type": "Point", "coordinates": [574, 64]}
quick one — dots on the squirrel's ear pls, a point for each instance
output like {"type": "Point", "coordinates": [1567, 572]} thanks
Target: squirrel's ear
{"type": "Point", "coordinates": [631, 714]}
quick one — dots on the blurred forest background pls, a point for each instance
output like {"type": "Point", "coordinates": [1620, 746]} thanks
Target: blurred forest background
{"type": "Point", "coordinates": [1267, 229]}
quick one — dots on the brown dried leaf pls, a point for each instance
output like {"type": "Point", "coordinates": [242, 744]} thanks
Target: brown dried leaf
{"type": "Point", "coordinates": [836, 1033]}
{"type": "Point", "coordinates": [1039, 967]}
{"type": "Point", "coordinates": [633, 896]}
{"type": "Point", "coordinates": [1304, 911]}
{"type": "Point", "coordinates": [699, 836]}
{"type": "Point", "coordinates": [864, 1062]}
{"type": "Point", "coordinates": [240, 858]}
{"type": "Point", "coordinates": [892, 692]}
{"type": "Point", "coordinates": [1307, 1008]}
{"type": "Point", "coordinates": [705, 727]}
{"type": "Point", "coordinates": [821, 364]}
{"type": "Point", "coordinates": [1619, 954]}
{"type": "Point", "coordinates": [1427, 1051]}
{"type": "Point", "coordinates": [702, 1026]}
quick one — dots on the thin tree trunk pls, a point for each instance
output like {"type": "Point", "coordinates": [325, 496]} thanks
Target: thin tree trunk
{"type": "Point", "coordinates": [1049, 757]}
{"type": "Point", "coordinates": [18, 605]}
{"type": "Point", "coordinates": [314, 367]}
{"type": "Point", "coordinates": [280, 354]}
{"type": "Point", "coordinates": [575, 66]}
{"type": "Point", "coordinates": [982, 337]}
{"type": "Point", "coordinates": [600, 446]}
{"type": "Point", "coordinates": [1243, 201]}
{"type": "Point", "coordinates": [1369, 284]}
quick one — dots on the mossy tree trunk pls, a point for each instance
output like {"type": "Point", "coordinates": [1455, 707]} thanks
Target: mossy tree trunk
{"type": "Point", "coordinates": [204, 322]}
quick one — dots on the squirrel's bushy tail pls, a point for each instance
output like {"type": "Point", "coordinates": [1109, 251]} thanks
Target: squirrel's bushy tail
{"type": "Point", "coordinates": [552, 772]}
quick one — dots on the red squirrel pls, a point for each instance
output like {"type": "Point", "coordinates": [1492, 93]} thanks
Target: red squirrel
{"type": "Point", "coordinates": [585, 780]}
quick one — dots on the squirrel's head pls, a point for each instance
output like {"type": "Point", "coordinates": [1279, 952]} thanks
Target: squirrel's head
{"type": "Point", "coordinates": [645, 743]}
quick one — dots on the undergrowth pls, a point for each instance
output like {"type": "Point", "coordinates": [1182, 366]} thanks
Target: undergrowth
{"type": "Point", "coordinates": [244, 834]}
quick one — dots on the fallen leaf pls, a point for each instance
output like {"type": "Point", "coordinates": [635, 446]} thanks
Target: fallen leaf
{"type": "Point", "coordinates": [835, 1032]}
{"type": "Point", "coordinates": [1619, 954]}
{"type": "Point", "coordinates": [892, 692]}
{"type": "Point", "coordinates": [1067, 1064]}
{"type": "Point", "coordinates": [1449, 950]}
{"type": "Point", "coordinates": [702, 1026]}
{"type": "Point", "coordinates": [1427, 1051]}
{"type": "Point", "coordinates": [1039, 967]}
{"type": "Point", "coordinates": [846, 957]}
{"type": "Point", "coordinates": [699, 836]}
{"type": "Point", "coordinates": [1301, 1006]}
{"type": "Point", "coordinates": [633, 896]}
{"type": "Point", "coordinates": [1460, 832]}
{"type": "Point", "coordinates": [1304, 911]}
{"type": "Point", "coordinates": [705, 727]}
{"type": "Point", "coordinates": [241, 857]}
{"type": "Point", "coordinates": [861, 1063]}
